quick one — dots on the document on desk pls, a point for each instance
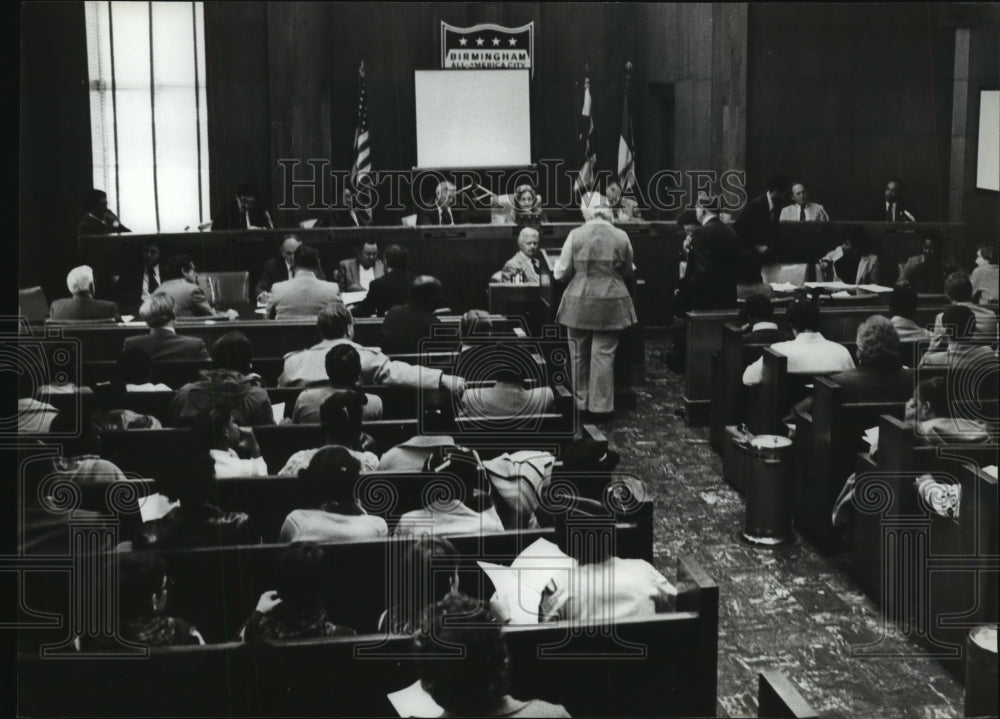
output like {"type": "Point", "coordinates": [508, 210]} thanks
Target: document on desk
{"type": "Point", "coordinates": [784, 286]}
{"type": "Point", "coordinates": [414, 701]}
{"type": "Point", "coordinates": [834, 286]}
{"type": "Point", "coordinates": [877, 289]}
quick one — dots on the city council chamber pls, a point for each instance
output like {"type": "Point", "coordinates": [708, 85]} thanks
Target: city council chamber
{"type": "Point", "coordinates": [505, 359]}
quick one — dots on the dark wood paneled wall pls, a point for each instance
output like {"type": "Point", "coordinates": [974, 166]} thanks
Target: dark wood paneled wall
{"type": "Point", "coordinates": [56, 163]}
{"type": "Point", "coordinates": [848, 95]}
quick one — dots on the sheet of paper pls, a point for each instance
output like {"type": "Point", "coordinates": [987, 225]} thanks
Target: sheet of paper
{"type": "Point", "coordinates": [991, 469]}
{"type": "Point", "coordinates": [878, 289]}
{"type": "Point", "coordinates": [414, 702]}
{"type": "Point", "coordinates": [351, 298]}
{"type": "Point", "coordinates": [155, 506]}
{"type": "Point", "coordinates": [521, 599]}
{"type": "Point", "coordinates": [521, 584]}
{"type": "Point", "coordinates": [871, 437]}
{"type": "Point", "coordinates": [784, 286]}
{"type": "Point", "coordinates": [829, 285]}
{"type": "Point", "coordinates": [279, 412]}
{"type": "Point", "coordinates": [127, 318]}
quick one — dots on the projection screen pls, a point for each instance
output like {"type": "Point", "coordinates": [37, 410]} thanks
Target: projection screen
{"type": "Point", "coordinates": [473, 118]}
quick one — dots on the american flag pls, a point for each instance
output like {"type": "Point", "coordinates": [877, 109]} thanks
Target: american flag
{"type": "Point", "coordinates": [626, 144]}
{"type": "Point", "coordinates": [585, 181]}
{"type": "Point", "coordinates": [362, 152]}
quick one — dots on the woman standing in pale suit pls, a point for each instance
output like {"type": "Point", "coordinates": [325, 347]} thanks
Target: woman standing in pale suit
{"type": "Point", "coordinates": [596, 306]}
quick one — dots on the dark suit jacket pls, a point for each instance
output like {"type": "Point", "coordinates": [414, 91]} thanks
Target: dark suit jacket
{"type": "Point", "coordinates": [349, 274]}
{"type": "Point", "coordinates": [275, 270]}
{"type": "Point", "coordinates": [389, 290]}
{"type": "Point", "coordinates": [189, 299]}
{"type": "Point", "coordinates": [404, 326]}
{"type": "Point", "coordinates": [877, 212]}
{"type": "Point", "coordinates": [341, 217]}
{"type": "Point", "coordinates": [228, 217]}
{"type": "Point", "coordinates": [128, 289]}
{"type": "Point", "coordinates": [755, 226]}
{"type": "Point", "coordinates": [431, 217]}
{"type": "Point", "coordinates": [81, 307]}
{"type": "Point", "coordinates": [91, 225]}
{"type": "Point", "coordinates": [163, 345]}
{"type": "Point", "coordinates": [710, 279]}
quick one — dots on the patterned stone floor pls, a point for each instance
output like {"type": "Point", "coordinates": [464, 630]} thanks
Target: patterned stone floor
{"type": "Point", "coordinates": [792, 609]}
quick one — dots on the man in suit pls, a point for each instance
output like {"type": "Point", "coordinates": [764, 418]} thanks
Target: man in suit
{"type": "Point", "coordinates": [137, 282]}
{"type": "Point", "coordinates": [710, 277]}
{"type": "Point", "coordinates": [349, 214]}
{"type": "Point", "coordinates": [759, 326]}
{"type": "Point", "coordinates": [279, 269]}
{"type": "Point", "coordinates": [756, 227]}
{"type": "Point", "coordinates": [405, 325]}
{"type": "Point", "coordinates": [307, 368]}
{"type": "Point", "coordinates": [802, 210]}
{"type": "Point", "coordinates": [82, 305]}
{"type": "Point", "coordinates": [526, 262]}
{"type": "Point", "coordinates": [181, 284]}
{"type": "Point", "coordinates": [389, 290]}
{"type": "Point", "coordinates": [163, 343]}
{"type": "Point", "coordinates": [356, 274]}
{"type": "Point", "coordinates": [242, 212]}
{"type": "Point", "coordinates": [444, 211]}
{"type": "Point", "coordinates": [892, 208]}
{"type": "Point", "coordinates": [625, 209]}
{"type": "Point", "coordinates": [305, 294]}
{"type": "Point", "coordinates": [99, 220]}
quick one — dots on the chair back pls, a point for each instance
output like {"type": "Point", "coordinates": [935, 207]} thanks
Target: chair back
{"type": "Point", "coordinates": [225, 289]}
{"type": "Point", "coordinates": [32, 305]}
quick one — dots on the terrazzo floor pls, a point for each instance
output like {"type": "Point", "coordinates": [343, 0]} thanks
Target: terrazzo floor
{"type": "Point", "coordinates": [792, 608]}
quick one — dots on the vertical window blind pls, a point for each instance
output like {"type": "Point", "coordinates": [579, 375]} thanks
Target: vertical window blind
{"type": "Point", "coordinates": [148, 114]}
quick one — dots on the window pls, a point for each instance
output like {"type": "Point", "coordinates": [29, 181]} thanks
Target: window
{"type": "Point", "coordinates": [148, 113]}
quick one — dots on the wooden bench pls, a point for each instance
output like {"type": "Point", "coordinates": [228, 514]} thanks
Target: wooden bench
{"type": "Point", "coordinates": [157, 452]}
{"type": "Point", "coordinates": [827, 440]}
{"type": "Point", "coordinates": [777, 698]}
{"type": "Point", "coordinates": [704, 336]}
{"type": "Point", "coordinates": [895, 556]}
{"type": "Point", "coordinates": [728, 391]}
{"type": "Point", "coordinates": [591, 673]}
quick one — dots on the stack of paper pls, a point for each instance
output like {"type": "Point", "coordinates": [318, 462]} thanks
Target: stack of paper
{"type": "Point", "coordinates": [878, 289]}
{"type": "Point", "coordinates": [351, 298]}
{"type": "Point", "coordinates": [784, 286]}
{"type": "Point", "coordinates": [520, 585]}
{"type": "Point", "coordinates": [833, 286]}
{"type": "Point", "coordinates": [155, 506]}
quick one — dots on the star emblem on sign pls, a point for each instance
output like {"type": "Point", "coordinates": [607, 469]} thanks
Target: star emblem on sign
{"type": "Point", "coordinates": [496, 41]}
{"type": "Point", "coordinates": [463, 42]}
{"type": "Point", "coordinates": [479, 41]}
{"type": "Point", "coordinates": [512, 41]}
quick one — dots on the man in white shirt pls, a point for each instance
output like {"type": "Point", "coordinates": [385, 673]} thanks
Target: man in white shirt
{"type": "Point", "coordinates": [809, 352]}
{"type": "Point", "coordinates": [802, 210]}
{"type": "Point", "coordinates": [307, 367]}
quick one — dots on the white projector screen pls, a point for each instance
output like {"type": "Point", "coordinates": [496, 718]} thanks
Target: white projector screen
{"type": "Point", "coordinates": [473, 118]}
{"type": "Point", "coordinates": [988, 169]}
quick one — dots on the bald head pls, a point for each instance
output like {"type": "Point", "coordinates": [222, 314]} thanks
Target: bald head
{"type": "Point", "coordinates": [425, 292]}
{"type": "Point", "coordinates": [527, 241]}
{"type": "Point", "coordinates": [288, 247]}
